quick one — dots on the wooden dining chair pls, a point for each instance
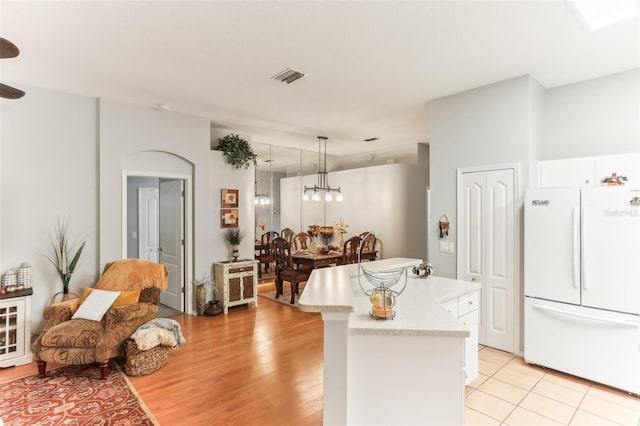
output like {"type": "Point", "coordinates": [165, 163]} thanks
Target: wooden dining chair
{"type": "Point", "coordinates": [285, 270]}
{"type": "Point", "coordinates": [288, 234]}
{"type": "Point", "coordinates": [264, 254]}
{"type": "Point", "coordinates": [369, 242]}
{"type": "Point", "coordinates": [350, 250]}
{"type": "Point", "coordinates": [302, 241]}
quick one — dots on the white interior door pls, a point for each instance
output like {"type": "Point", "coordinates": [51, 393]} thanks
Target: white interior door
{"type": "Point", "coordinates": [486, 250]}
{"type": "Point", "coordinates": [172, 241]}
{"type": "Point", "coordinates": [148, 225]}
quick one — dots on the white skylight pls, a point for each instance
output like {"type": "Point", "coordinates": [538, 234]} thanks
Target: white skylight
{"type": "Point", "coordinates": [600, 13]}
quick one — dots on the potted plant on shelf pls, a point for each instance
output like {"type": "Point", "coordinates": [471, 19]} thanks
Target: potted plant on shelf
{"type": "Point", "coordinates": [234, 236]}
{"type": "Point", "coordinates": [237, 151]}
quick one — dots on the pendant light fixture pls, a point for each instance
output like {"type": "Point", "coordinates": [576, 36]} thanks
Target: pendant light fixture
{"type": "Point", "coordinates": [322, 190]}
{"type": "Point", "coordinates": [261, 199]}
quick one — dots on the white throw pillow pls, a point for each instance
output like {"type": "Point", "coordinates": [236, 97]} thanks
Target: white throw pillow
{"type": "Point", "coordinates": [96, 304]}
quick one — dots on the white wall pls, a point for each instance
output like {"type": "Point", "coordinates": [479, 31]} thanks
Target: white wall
{"type": "Point", "coordinates": [63, 155]}
{"type": "Point", "coordinates": [482, 127]}
{"type": "Point", "coordinates": [49, 162]}
{"type": "Point", "coordinates": [594, 117]}
{"type": "Point", "coordinates": [127, 130]}
{"type": "Point", "coordinates": [387, 199]}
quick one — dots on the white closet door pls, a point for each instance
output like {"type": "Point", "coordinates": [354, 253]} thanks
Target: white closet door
{"type": "Point", "coordinates": [486, 250]}
{"type": "Point", "coordinates": [499, 249]}
{"type": "Point", "coordinates": [471, 225]}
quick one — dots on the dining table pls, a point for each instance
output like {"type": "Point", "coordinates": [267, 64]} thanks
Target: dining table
{"type": "Point", "coordinates": [319, 260]}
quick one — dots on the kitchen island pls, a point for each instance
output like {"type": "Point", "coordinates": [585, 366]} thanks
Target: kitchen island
{"type": "Point", "coordinates": [408, 370]}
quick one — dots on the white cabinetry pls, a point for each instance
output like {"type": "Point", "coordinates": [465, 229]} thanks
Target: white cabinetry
{"type": "Point", "coordinates": [588, 171]}
{"type": "Point", "coordinates": [237, 283]}
{"type": "Point", "coordinates": [15, 329]}
{"type": "Point", "coordinates": [465, 308]}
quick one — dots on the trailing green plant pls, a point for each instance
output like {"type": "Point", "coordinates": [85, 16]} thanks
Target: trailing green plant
{"type": "Point", "coordinates": [234, 236]}
{"type": "Point", "coordinates": [237, 151]}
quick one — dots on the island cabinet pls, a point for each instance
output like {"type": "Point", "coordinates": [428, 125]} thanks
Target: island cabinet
{"type": "Point", "coordinates": [465, 309]}
{"type": "Point", "coordinates": [407, 370]}
{"type": "Point", "coordinates": [15, 329]}
{"type": "Point", "coordinates": [237, 283]}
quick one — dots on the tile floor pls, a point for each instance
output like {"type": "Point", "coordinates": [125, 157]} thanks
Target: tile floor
{"type": "Point", "coordinates": [508, 391]}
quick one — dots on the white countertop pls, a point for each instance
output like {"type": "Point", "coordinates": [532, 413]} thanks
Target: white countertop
{"type": "Point", "coordinates": [418, 309]}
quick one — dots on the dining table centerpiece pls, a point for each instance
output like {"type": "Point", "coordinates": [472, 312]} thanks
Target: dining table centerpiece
{"type": "Point", "coordinates": [326, 232]}
{"type": "Point", "coordinates": [341, 229]}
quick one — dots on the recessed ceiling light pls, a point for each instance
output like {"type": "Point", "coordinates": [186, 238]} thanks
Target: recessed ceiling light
{"type": "Point", "coordinates": [371, 139]}
{"type": "Point", "coordinates": [598, 13]}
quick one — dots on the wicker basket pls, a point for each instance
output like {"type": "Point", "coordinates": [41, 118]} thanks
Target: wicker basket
{"type": "Point", "coordinates": [141, 363]}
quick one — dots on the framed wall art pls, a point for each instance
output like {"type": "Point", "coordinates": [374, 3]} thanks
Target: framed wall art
{"type": "Point", "coordinates": [229, 218]}
{"type": "Point", "coordinates": [229, 198]}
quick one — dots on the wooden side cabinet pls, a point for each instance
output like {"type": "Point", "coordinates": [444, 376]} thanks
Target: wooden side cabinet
{"type": "Point", "coordinates": [237, 283]}
{"type": "Point", "coordinates": [15, 328]}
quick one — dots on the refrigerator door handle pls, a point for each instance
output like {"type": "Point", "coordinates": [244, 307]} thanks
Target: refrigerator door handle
{"type": "Point", "coordinates": [590, 317]}
{"type": "Point", "coordinates": [576, 247]}
{"type": "Point", "coordinates": [583, 251]}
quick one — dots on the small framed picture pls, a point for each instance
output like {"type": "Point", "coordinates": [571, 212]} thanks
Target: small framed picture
{"type": "Point", "coordinates": [229, 198]}
{"type": "Point", "coordinates": [229, 218]}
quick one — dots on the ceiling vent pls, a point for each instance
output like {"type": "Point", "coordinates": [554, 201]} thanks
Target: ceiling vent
{"type": "Point", "coordinates": [289, 76]}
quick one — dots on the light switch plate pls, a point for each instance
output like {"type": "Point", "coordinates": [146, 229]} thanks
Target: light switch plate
{"type": "Point", "coordinates": [446, 247]}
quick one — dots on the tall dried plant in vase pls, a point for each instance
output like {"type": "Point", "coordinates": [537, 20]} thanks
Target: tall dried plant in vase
{"type": "Point", "coordinates": [65, 253]}
{"type": "Point", "coordinates": [234, 236]}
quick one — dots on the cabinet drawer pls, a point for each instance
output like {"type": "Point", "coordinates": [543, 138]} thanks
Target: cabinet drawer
{"type": "Point", "coordinates": [468, 303]}
{"type": "Point", "coordinates": [240, 269]}
{"type": "Point", "coordinates": [452, 307]}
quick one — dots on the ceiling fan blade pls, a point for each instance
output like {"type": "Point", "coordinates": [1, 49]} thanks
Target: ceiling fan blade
{"type": "Point", "coordinates": [10, 92]}
{"type": "Point", "coordinates": [8, 49]}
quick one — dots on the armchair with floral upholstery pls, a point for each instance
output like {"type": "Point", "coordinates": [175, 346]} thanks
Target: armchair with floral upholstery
{"type": "Point", "coordinates": [83, 341]}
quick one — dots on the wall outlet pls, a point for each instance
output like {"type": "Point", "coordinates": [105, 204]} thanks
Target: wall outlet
{"type": "Point", "coordinates": [446, 247]}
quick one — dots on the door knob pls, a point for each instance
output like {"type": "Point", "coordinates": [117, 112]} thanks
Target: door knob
{"type": "Point", "coordinates": [473, 279]}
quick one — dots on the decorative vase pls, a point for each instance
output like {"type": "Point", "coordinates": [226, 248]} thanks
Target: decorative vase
{"type": "Point", "coordinates": [64, 296]}
{"type": "Point", "coordinates": [201, 295]}
{"type": "Point", "coordinates": [214, 308]}
{"type": "Point", "coordinates": [235, 253]}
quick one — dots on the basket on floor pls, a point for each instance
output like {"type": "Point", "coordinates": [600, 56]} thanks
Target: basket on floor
{"type": "Point", "coordinates": [141, 363]}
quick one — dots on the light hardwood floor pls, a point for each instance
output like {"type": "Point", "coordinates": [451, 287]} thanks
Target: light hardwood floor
{"type": "Point", "coordinates": [253, 366]}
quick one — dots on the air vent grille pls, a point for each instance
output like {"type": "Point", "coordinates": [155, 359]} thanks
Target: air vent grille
{"type": "Point", "coordinates": [289, 76]}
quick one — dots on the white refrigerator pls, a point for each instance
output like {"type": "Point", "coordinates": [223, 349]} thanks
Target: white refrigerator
{"type": "Point", "coordinates": [582, 283]}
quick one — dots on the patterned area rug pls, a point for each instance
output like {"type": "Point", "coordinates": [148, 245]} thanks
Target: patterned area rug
{"type": "Point", "coordinates": [73, 395]}
{"type": "Point", "coordinates": [285, 298]}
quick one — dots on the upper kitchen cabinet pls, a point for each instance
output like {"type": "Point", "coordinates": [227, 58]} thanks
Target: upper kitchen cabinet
{"type": "Point", "coordinates": [588, 171]}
